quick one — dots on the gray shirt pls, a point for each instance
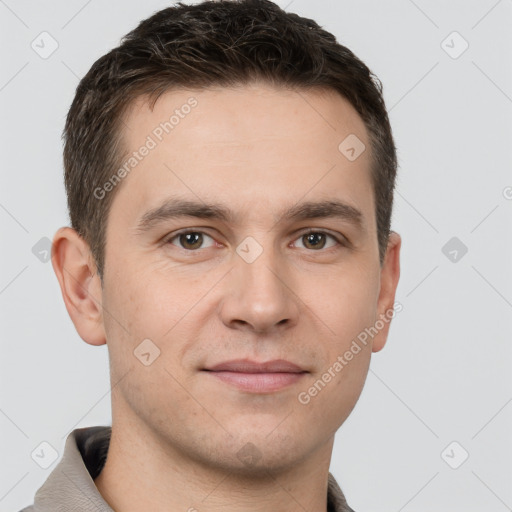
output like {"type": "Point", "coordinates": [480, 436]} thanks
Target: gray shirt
{"type": "Point", "coordinates": [70, 486]}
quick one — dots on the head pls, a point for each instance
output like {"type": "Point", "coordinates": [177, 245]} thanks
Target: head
{"type": "Point", "coordinates": [244, 109]}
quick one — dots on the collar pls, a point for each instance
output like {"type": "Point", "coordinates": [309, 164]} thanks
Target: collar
{"type": "Point", "coordinates": [70, 486]}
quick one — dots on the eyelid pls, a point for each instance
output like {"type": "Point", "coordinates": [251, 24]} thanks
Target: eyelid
{"type": "Point", "coordinates": [338, 237]}
{"type": "Point", "coordinates": [167, 239]}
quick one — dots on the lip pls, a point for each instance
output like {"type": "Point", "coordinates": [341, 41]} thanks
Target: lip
{"type": "Point", "coordinates": [248, 366]}
{"type": "Point", "coordinates": [257, 377]}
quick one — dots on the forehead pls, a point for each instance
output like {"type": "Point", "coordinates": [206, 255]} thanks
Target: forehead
{"type": "Point", "coordinates": [250, 146]}
{"type": "Point", "coordinates": [239, 113]}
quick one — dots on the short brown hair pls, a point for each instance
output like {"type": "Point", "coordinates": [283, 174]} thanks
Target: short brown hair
{"type": "Point", "coordinates": [214, 43]}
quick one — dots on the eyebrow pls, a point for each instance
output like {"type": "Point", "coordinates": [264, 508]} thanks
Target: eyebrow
{"type": "Point", "coordinates": [178, 208]}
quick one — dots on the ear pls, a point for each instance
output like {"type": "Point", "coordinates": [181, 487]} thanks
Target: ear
{"type": "Point", "coordinates": [389, 276]}
{"type": "Point", "coordinates": [80, 284]}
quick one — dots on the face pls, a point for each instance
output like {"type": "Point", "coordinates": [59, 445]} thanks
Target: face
{"type": "Point", "coordinates": [255, 275]}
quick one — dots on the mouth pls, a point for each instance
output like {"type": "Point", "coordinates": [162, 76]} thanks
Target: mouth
{"type": "Point", "coordinates": [255, 377]}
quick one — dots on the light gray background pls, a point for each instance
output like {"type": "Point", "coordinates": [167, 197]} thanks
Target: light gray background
{"type": "Point", "coordinates": [444, 375]}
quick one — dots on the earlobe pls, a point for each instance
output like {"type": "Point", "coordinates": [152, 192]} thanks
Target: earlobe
{"type": "Point", "coordinates": [389, 276]}
{"type": "Point", "coordinates": [79, 283]}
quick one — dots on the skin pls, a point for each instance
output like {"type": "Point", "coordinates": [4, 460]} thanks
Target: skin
{"type": "Point", "coordinates": [176, 430]}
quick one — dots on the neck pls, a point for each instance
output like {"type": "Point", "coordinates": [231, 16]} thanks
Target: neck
{"type": "Point", "coordinates": [144, 473]}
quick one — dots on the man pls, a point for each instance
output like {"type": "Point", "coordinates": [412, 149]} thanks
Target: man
{"type": "Point", "coordinates": [230, 172]}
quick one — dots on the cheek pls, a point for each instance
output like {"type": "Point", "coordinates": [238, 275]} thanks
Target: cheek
{"type": "Point", "coordinates": [333, 392]}
{"type": "Point", "coordinates": [140, 305]}
{"type": "Point", "coordinates": [345, 300]}
{"type": "Point", "coordinates": [347, 306]}
{"type": "Point", "coordinates": [131, 310]}
{"type": "Point", "coordinates": [143, 306]}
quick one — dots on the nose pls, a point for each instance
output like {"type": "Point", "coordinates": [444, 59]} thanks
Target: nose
{"type": "Point", "coordinates": [259, 296]}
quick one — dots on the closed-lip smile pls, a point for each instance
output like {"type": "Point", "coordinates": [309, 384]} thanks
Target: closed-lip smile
{"type": "Point", "coordinates": [257, 377]}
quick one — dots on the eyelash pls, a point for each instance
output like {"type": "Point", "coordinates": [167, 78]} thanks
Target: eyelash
{"type": "Point", "coordinates": [339, 242]}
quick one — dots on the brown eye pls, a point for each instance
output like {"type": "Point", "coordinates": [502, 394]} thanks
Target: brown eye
{"type": "Point", "coordinates": [190, 240]}
{"type": "Point", "coordinates": [316, 240]}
